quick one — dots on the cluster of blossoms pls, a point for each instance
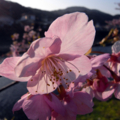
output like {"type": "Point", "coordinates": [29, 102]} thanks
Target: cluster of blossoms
{"type": "Point", "coordinates": [28, 37]}
{"type": "Point", "coordinates": [62, 79]}
{"type": "Point", "coordinates": [114, 22]}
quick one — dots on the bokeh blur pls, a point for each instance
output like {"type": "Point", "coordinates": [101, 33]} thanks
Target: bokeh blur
{"type": "Point", "coordinates": [21, 23]}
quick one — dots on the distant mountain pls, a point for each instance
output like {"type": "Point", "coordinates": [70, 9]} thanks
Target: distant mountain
{"type": "Point", "coordinates": [96, 15]}
{"type": "Point", "coordinates": [15, 11]}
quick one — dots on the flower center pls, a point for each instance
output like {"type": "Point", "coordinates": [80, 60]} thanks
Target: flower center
{"type": "Point", "coordinates": [57, 71]}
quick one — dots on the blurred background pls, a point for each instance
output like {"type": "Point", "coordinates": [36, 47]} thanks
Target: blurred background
{"type": "Point", "coordinates": [23, 21]}
{"type": "Point", "coordinates": [15, 14]}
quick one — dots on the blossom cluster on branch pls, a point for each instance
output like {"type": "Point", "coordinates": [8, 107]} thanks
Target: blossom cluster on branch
{"type": "Point", "coordinates": [21, 44]}
{"type": "Point", "coordinates": [114, 22]}
{"type": "Point", "coordinates": [62, 78]}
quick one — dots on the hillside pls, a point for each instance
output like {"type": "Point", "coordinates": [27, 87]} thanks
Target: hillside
{"type": "Point", "coordinates": [96, 15]}
{"type": "Point", "coordinates": [14, 11]}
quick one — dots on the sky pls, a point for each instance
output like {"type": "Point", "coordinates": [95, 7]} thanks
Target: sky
{"type": "Point", "coordinates": [107, 6]}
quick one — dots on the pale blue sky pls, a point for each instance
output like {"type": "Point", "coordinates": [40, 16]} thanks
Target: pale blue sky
{"type": "Point", "coordinates": [107, 6]}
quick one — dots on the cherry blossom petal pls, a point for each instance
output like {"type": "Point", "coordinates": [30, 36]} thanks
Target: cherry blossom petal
{"type": "Point", "coordinates": [80, 79]}
{"type": "Point", "coordinates": [55, 104]}
{"type": "Point", "coordinates": [56, 116]}
{"type": "Point", "coordinates": [98, 61]}
{"type": "Point", "coordinates": [82, 63]}
{"type": "Point", "coordinates": [105, 72]}
{"type": "Point", "coordinates": [68, 57]}
{"type": "Point", "coordinates": [71, 108]}
{"type": "Point", "coordinates": [71, 112]}
{"type": "Point", "coordinates": [80, 42]}
{"type": "Point", "coordinates": [59, 117]}
{"type": "Point", "coordinates": [103, 96]}
{"type": "Point", "coordinates": [83, 102]}
{"type": "Point", "coordinates": [18, 104]}
{"type": "Point", "coordinates": [89, 90]}
{"type": "Point", "coordinates": [118, 69]}
{"type": "Point", "coordinates": [43, 47]}
{"type": "Point", "coordinates": [45, 42]}
{"type": "Point", "coordinates": [7, 69]}
{"type": "Point", "coordinates": [116, 47]}
{"type": "Point", "coordinates": [66, 22]}
{"type": "Point", "coordinates": [56, 46]}
{"type": "Point", "coordinates": [109, 91]}
{"type": "Point", "coordinates": [70, 90]}
{"type": "Point", "coordinates": [40, 85]}
{"type": "Point", "coordinates": [53, 44]}
{"type": "Point", "coordinates": [117, 91]}
{"type": "Point", "coordinates": [37, 48]}
{"type": "Point", "coordinates": [36, 108]}
{"type": "Point", "coordinates": [79, 66]}
{"type": "Point", "coordinates": [99, 96]}
{"type": "Point", "coordinates": [30, 61]}
{"type": "Point", "coordinates": [76, 33]}
{"type": "Point", "coordinates": [27, 66]}
{"type": "Point", "coordinates": [114, 67]}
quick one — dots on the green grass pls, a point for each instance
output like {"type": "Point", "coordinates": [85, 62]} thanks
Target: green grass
{"type": "Point", "coordinates": [109, 110]}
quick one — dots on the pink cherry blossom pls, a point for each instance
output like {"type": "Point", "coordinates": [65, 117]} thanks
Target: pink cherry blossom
{"type": "Point", "coordinates": [115, 85]}
{"type": "Point", "coordinates": [116, 47]}
{"type": "Point", "coordinates": [14, 50]}
{"type": "Point", "coordinates": [15, 36]}
{"type": "Point", "coordinates": [32, 33]}
{"type": "Point", "coordinates": [7, 69]}
{"type": "Point", "coordinates": [58, 58]}
{"type": "Point", "coordinates": [25, 35]}
{"type": "Point", "coordinates": [100, 84]}
{"type": "Point", "coordinates": [97, 62]}
{"type": "Point", "coordinates": [117, 90]}
{"type": "Point", "coordinates": [104, 89]}
{"type": "Point", "coordinates": [114, 62]}
{"type": "Point", "coordinates": [98, 87]}
{"type": "Point", "coordinates": [102, 96]}
{"type": "Point", "coordinates": [79, 103]}
{"type": "Point", "coordinates": [27, 28]}
{"type": "Point", "coordinates": [101, 87]}
{"type": "Point", "coordinates": [39, 106]}
{"type": "Point", "coordinates": [97, 84]}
